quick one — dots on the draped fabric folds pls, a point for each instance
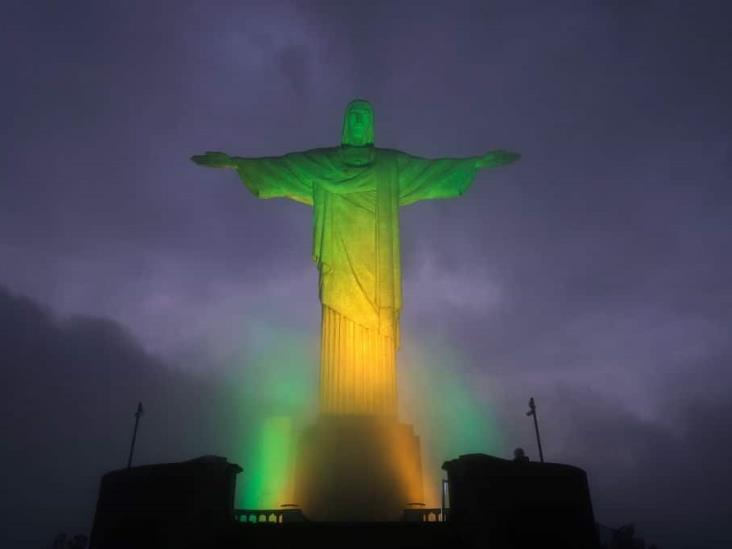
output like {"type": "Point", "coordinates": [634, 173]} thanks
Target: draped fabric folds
{"type": "Point", "coordinates": [356, 193]}
{"type": "Point", "coordinates": [357, 368]}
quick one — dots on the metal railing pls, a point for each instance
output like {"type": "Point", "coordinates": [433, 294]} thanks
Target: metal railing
{"type": "Point", "coordinates": [269, 516]}
{"type": "Point", "coordinates": [423, 514]}
{"type": "Point", "coordinates": [295, 514]}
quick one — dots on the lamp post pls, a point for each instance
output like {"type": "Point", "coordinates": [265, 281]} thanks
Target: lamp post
{"type": "Point", "coordinates": [532, 412]}
{"type": "Point", "coordinates": [138, 414]}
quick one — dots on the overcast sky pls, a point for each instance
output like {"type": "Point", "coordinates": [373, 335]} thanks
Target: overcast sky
{"type": "Point", "coordinates": [594, 274]}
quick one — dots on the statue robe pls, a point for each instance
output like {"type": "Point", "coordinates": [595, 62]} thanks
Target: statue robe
{"type": "Point", "coordinates": [356, 249]}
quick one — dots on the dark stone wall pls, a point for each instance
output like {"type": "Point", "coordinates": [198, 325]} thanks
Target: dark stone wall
{"type": "Point", "coordinates": [516, 505]}
{"type": "Point", "coordinates": [182, 504]}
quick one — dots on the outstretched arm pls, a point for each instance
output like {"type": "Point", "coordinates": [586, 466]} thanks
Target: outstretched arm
{"type": "Point", "coordinates": [427, 179]}
{"type": "Point", "coordinates": [494, 159]}
{"type": "Point", "coordinates": [214, 159]}
{"type": "Point", "coordinates": [284, 176]}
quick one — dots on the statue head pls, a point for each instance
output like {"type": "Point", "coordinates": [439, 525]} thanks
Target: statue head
{"type": "Point", "coordinates": [358, 124]}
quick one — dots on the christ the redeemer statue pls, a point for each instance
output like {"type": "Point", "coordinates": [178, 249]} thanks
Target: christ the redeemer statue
{"type": "Point", "coordinates": [356, 191]}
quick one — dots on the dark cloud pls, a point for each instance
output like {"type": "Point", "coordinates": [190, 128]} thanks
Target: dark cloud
{"type": "Point", "coordinates": [668, 473]}
{"type": "Point", "coordinates": [672, 478]}
{"type": "Point", "coordinates": [70, 387]}
{"type": "Point", "coordinates": [598, 264]}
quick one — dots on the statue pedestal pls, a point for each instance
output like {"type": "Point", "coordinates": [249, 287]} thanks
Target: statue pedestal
{"type": "Point", "coordinates": [358, 468]}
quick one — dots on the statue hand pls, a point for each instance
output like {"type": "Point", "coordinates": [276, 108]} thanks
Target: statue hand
{"type": "Point", "coordinates": [496, 158]}
{"type": "Point", "coordinates": [213, 159]}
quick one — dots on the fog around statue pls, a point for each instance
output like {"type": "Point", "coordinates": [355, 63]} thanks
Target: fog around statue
{"type": "Point", "coordinates": [356, 191]}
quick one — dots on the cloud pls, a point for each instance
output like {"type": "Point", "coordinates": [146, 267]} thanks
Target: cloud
{"type": "Point", "coordinates": [70, 387]}
{"type": "Point", "coordinates": [466, 287]}
{"type": "Point", "coordinates": [670, 477]}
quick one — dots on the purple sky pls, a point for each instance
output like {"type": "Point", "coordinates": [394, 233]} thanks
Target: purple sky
{"type": "Point", "coordinates": [593, 275]}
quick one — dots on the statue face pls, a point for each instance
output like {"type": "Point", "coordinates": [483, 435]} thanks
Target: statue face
{"type": "Point", "coordinates": [359, 119]}
{"type": "Point", "coordinates": [358, 126]}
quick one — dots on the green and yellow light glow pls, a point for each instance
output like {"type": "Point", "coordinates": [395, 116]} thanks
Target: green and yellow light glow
{"type": "Point", "coordinates": [276, 390]}
{"type": "Point", "coordinates": [446, 406]}
{"type": "Point", "coordinates": [273, 385]}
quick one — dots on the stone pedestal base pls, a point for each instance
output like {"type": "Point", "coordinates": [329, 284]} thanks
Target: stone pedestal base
{"type": "Point", "coordinates": [358, 468]}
